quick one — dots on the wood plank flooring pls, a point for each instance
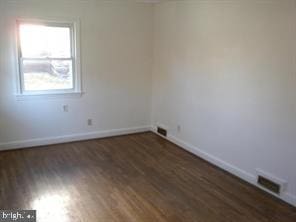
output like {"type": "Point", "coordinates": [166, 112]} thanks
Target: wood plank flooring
{"type": "Point", "coordinates": [133, 178]}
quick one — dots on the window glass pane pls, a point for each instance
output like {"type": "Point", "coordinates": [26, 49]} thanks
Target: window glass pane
{"type": "Point", "coordinates": [47, 74]}
{"type": "Point", "coordinates": [39, 41]}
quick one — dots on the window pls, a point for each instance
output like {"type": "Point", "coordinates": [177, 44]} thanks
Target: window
{"type": "Point", "coordinates": [48, 58]}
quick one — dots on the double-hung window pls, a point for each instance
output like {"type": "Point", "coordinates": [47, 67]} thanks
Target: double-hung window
{"type": "Point", "coordinates": [48, 57]}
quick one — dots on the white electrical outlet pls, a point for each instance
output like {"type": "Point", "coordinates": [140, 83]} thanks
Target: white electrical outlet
{"type": "Point", "coordinates": [65, 108]}
{"type": "Point", "coordinates": [89, 122]}
{"type": "Point", "coordinates": [179, 128]}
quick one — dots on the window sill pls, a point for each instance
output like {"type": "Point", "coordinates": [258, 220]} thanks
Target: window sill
{"type": "Point", "coordinates": [61, 95]}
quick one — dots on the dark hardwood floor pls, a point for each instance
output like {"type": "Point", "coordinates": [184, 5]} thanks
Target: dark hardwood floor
{"type": "Point", "coordinates": [134, 178]}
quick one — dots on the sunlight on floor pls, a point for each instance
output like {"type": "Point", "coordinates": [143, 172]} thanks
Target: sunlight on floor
{"type": "Point", "coordinates": [52, 207]}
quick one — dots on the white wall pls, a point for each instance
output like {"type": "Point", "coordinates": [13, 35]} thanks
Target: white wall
{"type": "Point", "coordinates": [116, 52]}
{"type": "Point", "coordinates": [225, 72]}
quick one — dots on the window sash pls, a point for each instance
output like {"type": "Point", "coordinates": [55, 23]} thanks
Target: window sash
{"type": "Point", "coordinates": [22, 80]}
{"type": "Point", "coordinates": [49, 24]}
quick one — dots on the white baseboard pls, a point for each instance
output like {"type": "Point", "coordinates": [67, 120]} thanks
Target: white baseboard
{"type": "Point", "coordinates": [71, 138]}
{"type": "Point", "coordinates": [250, 178]}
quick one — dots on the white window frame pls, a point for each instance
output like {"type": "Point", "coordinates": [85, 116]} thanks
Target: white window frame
{"type": "Point", "coordinates": [74, 26]}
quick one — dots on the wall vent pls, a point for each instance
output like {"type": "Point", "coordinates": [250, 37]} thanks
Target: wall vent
{"type": "Point", "coordinates": [271, 182]}
{"type": "Point", "coordinates": [161, 131]}
{"type": "Point", "coordinates": [269, 185]}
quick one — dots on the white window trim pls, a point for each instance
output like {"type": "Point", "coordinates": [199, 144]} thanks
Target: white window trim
{"type": "Point", "coordinates": [76, 91]}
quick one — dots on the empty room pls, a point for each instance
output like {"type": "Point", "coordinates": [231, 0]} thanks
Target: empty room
{"type": "Point", "coordinates": [148, 110]}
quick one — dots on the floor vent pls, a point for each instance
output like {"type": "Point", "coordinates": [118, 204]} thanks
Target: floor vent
{"type": "Point", "coordinates": [162, 131]}
{"type": "Point", "coordinates": [269, 185]}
